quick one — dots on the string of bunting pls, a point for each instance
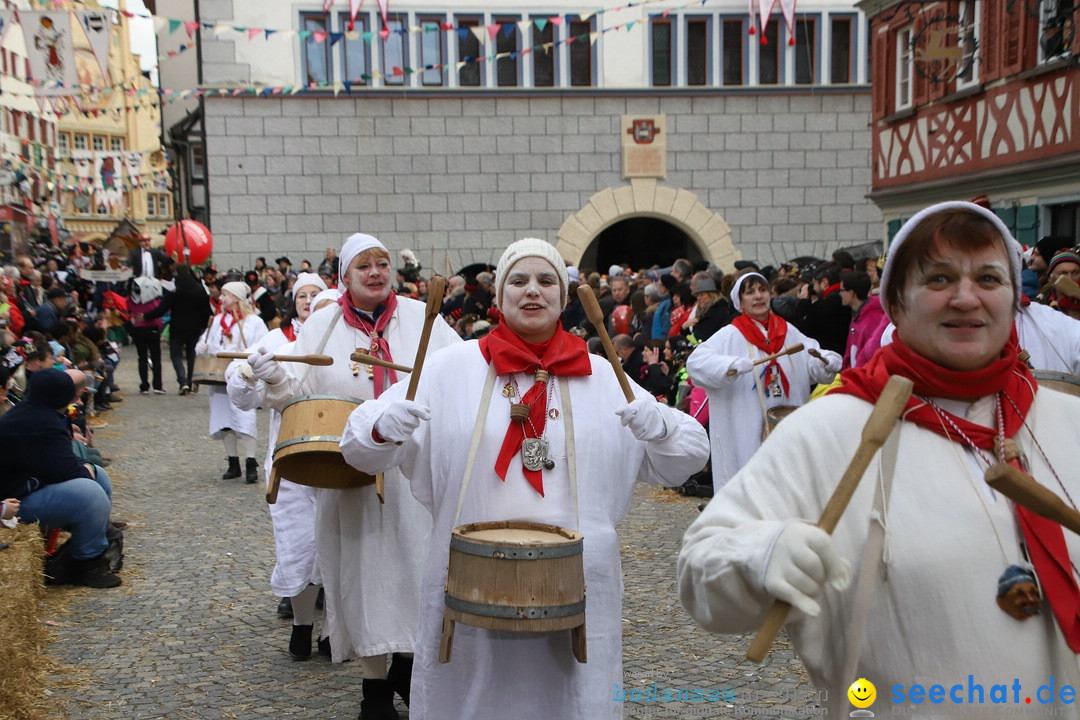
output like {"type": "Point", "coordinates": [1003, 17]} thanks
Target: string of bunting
{"type": "Point", "coordinates": [155, 179]}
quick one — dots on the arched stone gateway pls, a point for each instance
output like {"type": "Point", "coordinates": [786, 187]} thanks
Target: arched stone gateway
{"type": "Point", "coordinates": [644, 198]}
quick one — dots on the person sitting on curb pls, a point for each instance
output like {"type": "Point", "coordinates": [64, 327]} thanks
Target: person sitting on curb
{"type": "Point", "coordinates": [53, 486]}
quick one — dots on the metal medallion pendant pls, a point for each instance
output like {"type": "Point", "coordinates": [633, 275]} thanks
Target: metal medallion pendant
{"type": "Point", "coordinates": [534, 453]}
{"type": "Point", "coordinates": [1018, 592]}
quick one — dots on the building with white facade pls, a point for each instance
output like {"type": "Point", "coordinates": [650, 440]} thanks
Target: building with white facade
{"type": "Point", "coordinates": [643, 134]}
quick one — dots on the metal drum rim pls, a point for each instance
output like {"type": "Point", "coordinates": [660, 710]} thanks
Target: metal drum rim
{"type": "Point", "coordinates": [302, 398]}
{"type": "Point", "coordinates": [571, 548]}
{"type": "Point", "coordinates": [568, 535]}
{"type": "Point", "coordinates": [514, 612]}
{"type": "Point", "coordinates": [307, 439]}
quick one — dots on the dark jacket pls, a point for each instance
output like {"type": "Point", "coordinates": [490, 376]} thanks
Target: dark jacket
{"type": "Point", "coordinates": [719, 314]}
{"type": "Point", "coordinates": [826, 320]}
{"type": "Point", "coordinates": [188, 308]}
{"type": "Point", "coordinates": [134, 261]}
{"type": "Point", "coordinates": [35, 439]}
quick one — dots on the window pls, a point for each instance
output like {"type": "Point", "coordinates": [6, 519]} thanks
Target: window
{"type": "Point", "coordinates": [82, 203]}
{"type": "Point", "coordinates": [1064, 219]}
{"type": "Point", "coordinates": [468, 51]}
{"type": "Point", "coordinates": [769, 54]}
{"type": "Point", "coordinates": [968, 40]}
{"type": "Point", "coordinates": [116, 144]}
{"type": "Point", "coordinates": [805, 51]}
{"type": "Point", "coordinates": [62, 148]}
{"type": "Point", "coordinates": [661, 53]}
{"type": "Point", "coordinates": [506, 41]}
{"type": "Point", "coordinates": [316, 65]}
{"type": "Point", "coordinates": [431, 51]}
{"type": "Point", "coordinates": [80, 141]}
{"type": "Point", "coordinates": [197, 166]}
{"type": "Point", "coordinates": [733, 52]}
{"type": "Point", "coordinates": [697, 51]}
{"type": "Point", "coordinates": [840, 51]}
{"type": "Point", "coordinates": [581, 53]}
{"type": "Point", "coordinates": [395, 50]}
{"type": "Point", "coordinates": [904, 68]}
{"type": "Point", "coordinates": [31, 135]}
{"type": "Point", "coordinates": [99, 143]}
{"type": "Point", "coordinates": [1055, 29]}
{"type": "Point", "coordinates": [543, 54]}
{"type": "Point", "coordinates": [356, 61]}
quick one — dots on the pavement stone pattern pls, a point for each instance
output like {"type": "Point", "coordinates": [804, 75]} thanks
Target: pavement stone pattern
{"type": "Point", "coordinates": [193, 632]}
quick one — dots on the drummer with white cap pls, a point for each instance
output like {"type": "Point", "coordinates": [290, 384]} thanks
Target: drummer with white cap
{"type": "Point", "coordinates": [370, 553]}
{"type": "Point", "coordinates": [741, 391]}
{"type": "Point", "coordinates": [236, 327]}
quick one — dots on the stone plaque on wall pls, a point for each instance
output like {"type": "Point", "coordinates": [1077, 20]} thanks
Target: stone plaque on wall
{"type": "Point", "coordinates": [644, 146]}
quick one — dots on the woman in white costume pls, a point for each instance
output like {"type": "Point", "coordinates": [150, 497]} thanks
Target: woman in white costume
{"type": "Point", "coordinates": [524, 676]}
{"type": "Point", "coordinates": [737, 401]}
{"type": "Point", "coordinates": [939, 553]}
{"type": "Point", "coordinates": [370, 553]}
{"type": "Point", "coordinates": [295, 575]}
{"type": "Point", "coordinates": [235, 328]}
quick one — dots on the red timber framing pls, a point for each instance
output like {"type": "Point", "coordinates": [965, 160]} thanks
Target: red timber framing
{"type": "Point", "coordinates": [1016, 113]}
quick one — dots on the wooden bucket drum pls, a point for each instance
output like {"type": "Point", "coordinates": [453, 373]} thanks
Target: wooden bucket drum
{"type": "Point", "coordinates": [209, 370]}
{"type": "Point", "coordinates": [518, 576]}
{"type": "Point", "coordinates": [308, 451]}
{"type": "Point", "coordinates": [1062, 382]}
{"type": "Point", "coordinates": [774, 415]}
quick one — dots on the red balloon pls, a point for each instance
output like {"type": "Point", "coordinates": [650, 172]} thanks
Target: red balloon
{"type": "Point", "coordinates": [621, 316]}
{"type": "Point", "coordinates": [189, 241]}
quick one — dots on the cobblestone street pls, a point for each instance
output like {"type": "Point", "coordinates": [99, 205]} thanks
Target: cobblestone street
{"type": "Point", "coordinates": [193, 631]}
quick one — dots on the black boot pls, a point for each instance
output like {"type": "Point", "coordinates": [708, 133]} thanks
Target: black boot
{"type": "Point", "coordinates": [378, 702]}
{"type": "Point", "coordinates": [324, 647]}
{"type": "Point", "coordinates": [400, 676]}
{"type": "Point", "coordinates": [300, 642]}
{"type": "Point", "coordinates": [234, 468]}
{"type": "Point", "coordinates": [93, 572]}
{"type": "Point", "coordinates": [252, 471]}
{"type": "Point", "coordinates": [284, 609]}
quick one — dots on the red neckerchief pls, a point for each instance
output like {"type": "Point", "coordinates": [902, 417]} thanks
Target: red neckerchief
{"type": "Point", "coordinates": [1063, 302]}
{"type": "Point", "coordinates": [1013, 380]}
{"type": "Point", "coordinates": [289, 331]}
{"type": "Point", "coordinates": [776, 330]}
{"type": "Point", "coordinates": [564, 354]}
{"type": "Point", "coordinates": [226, 327]}
{"type": "Point", "coordinates": [830, 290]}
{"type": "Point", "coordinates": [379, 346]}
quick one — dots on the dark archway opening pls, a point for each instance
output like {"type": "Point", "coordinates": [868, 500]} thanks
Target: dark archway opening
{"type": "Point", "coordinates": [642, 242]}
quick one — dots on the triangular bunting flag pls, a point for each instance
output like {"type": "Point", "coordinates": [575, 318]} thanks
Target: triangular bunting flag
{"type": "Point", "coordinates": [268, 33]}
{"type": "Point", "coordinates": [319, 35]}
{"type": "Point", "coordinates": [541, 23]}
{"type": "Point", "coordinates": [174, 25]}
{"type": "Point", "coordinates": [493, 30]}
{"type": "Point", "coordinates": [556, 20]}
{"type": "Point", "coordinates": [335, 37]}
{"type": "Point", "coordinates": [252, 32]}
{"type": "Point", "coordinates": [508, 29]}
{"type": "Point", "coordinates": [384, 33]}
{"type": "Point", "coordinates": [479, 32]}
{"type": "Point", "coordinates": [190, 26]}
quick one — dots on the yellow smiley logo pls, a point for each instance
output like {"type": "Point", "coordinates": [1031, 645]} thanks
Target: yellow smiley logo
{"type": "Point", "coordinates": [862, 693]}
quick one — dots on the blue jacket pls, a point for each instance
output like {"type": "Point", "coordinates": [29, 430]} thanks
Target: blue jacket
{"type": "Point", "coordinates": [661, 322]}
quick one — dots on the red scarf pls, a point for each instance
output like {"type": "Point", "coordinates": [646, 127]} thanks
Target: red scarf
{"type": "Point", "coordinates": [226, 327]}
{"type": "Point", "coordinates": [380, 348]}
{"type": "Point", "coordinates": [776, 331]}
{"type": "Point", "coordinates": [1011, 378]}
{"type": "Point", "coordinates": [830, 290]}
{"type": "Point", "coordinates": [564, 354]}
{"type": "Point", "coordinates": [289, 331]}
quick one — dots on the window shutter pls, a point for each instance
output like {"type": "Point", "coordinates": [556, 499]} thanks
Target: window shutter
{"type": "Point", "coordinates": [883, 79]}
{"type": "Point", "coordinates": [989, 52]}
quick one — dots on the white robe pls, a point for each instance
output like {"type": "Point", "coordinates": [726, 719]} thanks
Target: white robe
{"type": "Point", "coordinates": [223, 414]}
{"type": "Point", "coordinates": [1051, 337]}
{"type": "Point", "coordinates": [735, 417]}
{"type": "Point", "coordinates": [293, 515]}
{"type": "Point", "coordinates": [370, 554]}
{"type": "Point", "coordinates": [934, 619]}
{"type": "Point", "coordinates": [523, 676]}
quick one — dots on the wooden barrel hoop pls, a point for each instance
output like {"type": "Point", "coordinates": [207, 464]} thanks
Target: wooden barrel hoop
{"type": "Point", "coordinates": [309, 452]}
{"type": "Point", "coordinates": [1062, 382]}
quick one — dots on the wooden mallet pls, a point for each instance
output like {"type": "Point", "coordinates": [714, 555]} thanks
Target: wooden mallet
{"type": "Point", "coordinates": [1023, 490]}
{"type": "Point", "coordinates": [1067, 286]}
{"type": "Point", "coordinates": [308, 359]}
{"type": "Point", "coordinates": [878, 426]}
{"type": "Point", "coordinates": [596, 317]}
{"type": "Point", "coordinates": [819, 356]}
{"type": "Point", "coordinates": [379, 362]}
{"type": "Point", "coordinates": [275, 483]}
{"type": "Point", "coordinates": [436, 288]}
{"type": "Point", "coordinates": [790, 350]}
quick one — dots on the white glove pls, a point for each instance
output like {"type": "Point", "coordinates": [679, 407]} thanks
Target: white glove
{"type": "Point", "coordinates": [833, 362]}
{"type": "Point", "coordinates": [742, 366]}
{"type": "Point", "coordinates": [265, 367]}
{"type": "Point", "coordinates": [645, 419]}
{"type": "Point", "coordinates": [202, 347]}
{"type": "Point", "coordinates": [801, 561]}
{"type": "Point", "coordinates": [400, 420]}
